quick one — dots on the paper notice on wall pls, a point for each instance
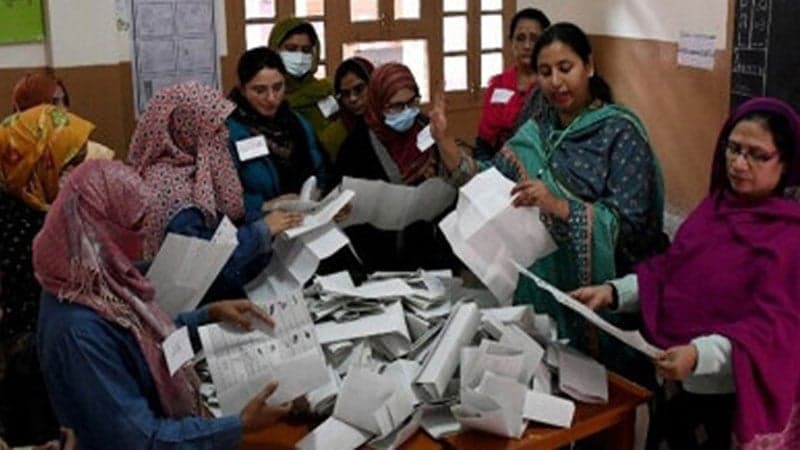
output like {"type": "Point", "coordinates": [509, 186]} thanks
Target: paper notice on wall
{"type": "Point", "coordinates": [696, 50]}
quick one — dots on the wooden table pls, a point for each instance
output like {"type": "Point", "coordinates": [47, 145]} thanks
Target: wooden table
{"type": "Point", "coordinates": [612, 422]}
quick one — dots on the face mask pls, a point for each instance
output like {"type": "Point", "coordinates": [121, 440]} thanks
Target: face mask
{"type": "Point", "coordinates": [402, 121]}
{"type": "Point", "coordinates": [297, 63]}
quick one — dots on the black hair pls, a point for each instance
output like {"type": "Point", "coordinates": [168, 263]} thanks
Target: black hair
{"type": "Point", "coordinates": [350, 65]}
{"type": "Point", "coordinates": [303, 28]}
{"type": "Point", "coordinates": [531, 14]}
{"type": "Point", "coordinates": [571, 35]}
{"type": "Point", "coordinates": [255, 59]}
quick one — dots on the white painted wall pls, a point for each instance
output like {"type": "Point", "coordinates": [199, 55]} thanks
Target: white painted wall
{"type": "Point", "coordinates": [86, 33]}
{"type": "Point", "coordinates": [661, 20]}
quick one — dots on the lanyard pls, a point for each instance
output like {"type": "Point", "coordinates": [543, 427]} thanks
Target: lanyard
{"type": "Point", "coordinates": [553, 146]}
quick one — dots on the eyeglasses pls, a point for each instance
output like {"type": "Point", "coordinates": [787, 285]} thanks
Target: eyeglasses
{"type": "Point", "coordinates": [755, 156]}
{"type": "Point", "coordinates": [356, 91]}
{"type": "Point", "coordinates": [398, 107]}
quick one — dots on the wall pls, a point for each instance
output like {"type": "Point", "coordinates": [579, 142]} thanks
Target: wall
{"type": "Point", "coordinates": [635, 48]}
{"type": "Point", "coordinates": [88, 45]}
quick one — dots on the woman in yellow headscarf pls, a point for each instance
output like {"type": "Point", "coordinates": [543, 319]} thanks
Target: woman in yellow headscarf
{"type": "Point", "coordinates": [38, 147]}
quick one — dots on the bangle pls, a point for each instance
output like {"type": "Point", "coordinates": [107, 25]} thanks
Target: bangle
{"type": "Point", "coordinates": [614, 297]}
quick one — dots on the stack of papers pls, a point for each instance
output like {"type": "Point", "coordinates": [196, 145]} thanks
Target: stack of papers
{"type": "Point", "coordinates": [486, 232]}
{"type": "Point", "coordinates": [242, 363]}
{"type": "Point", "coordinates": [408, 203]}
{"type": "Point", "coordinates": [185, 267]}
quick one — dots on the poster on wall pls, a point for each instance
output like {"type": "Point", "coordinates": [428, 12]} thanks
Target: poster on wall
{"type": "Point", "coordinates": [21, 21]}
{"type": "Point", "coordinates": [173, 41]}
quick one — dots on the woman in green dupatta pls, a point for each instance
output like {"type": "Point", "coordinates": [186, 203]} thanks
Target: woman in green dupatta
{"type": "Point", "coordinates": [587, 164]}
{"type": "Point", "coordinates": [297, 43]}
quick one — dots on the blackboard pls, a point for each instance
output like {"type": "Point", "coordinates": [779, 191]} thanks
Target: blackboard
{"type": "Point", "coordinates": [766, 51]}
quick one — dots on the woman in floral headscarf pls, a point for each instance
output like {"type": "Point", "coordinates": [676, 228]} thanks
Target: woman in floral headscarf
{"type": "Point", "coordinates": [100, 332]}
{"type": "Point", "coordinates": [180, 147]}
{"type": "Point", "coordinates": [38, 147]}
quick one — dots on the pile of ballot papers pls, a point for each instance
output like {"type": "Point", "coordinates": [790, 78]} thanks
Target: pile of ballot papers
{"type": "Point", "coordinates": [400, 352]}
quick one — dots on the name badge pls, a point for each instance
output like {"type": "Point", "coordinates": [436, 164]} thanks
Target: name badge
{"type": "Point", "coordinates": [425, 139]}
{"type": "Point", "coordinates": [328, 106]}
{"type": "Point", "coordinates": [502, 96]}
{"type": "Point", "coordinates": [251, 148]}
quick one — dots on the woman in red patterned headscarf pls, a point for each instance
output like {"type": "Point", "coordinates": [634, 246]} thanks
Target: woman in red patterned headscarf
{"type": "Point", "coordinates": [180, 147]}
{"type": "Point", "coordinates": [100, 332]}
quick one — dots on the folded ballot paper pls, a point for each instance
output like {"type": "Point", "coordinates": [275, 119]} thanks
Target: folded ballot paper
{"type": "Point", "coordinates": [409, 203]}
{"type": "Point", "coordinates": [442, 362]}
{"type": "Point", "coordinates": [185, 267]}
{"type": "Point", "coordinates": [631, 338]}
{"type": "Point", "coordinates": [373, 402]}
{"type": "Point", "coordinates": [305, 202]}
{"type": "Point", "coordinates": [495, 406]}
{"type": "Point", "coordinates": [323, 213]}
{"type": "Point", "coordinates": [242, 363]}
{"type": "Point", "coordinates": [486, 232]}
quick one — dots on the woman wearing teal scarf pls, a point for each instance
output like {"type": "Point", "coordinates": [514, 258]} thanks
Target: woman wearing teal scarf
{"type": "Point", "coordinates": [587, 164]}
{"type": "Point", "coordinates": [298, 44]}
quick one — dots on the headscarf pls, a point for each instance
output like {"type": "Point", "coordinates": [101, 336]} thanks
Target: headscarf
{"type": "Point", "coordinates": [180, 147]}
{"type": "Point", "coordinates": [363, 69]}
{"type": "Point", "coordinates": [32, 90]}
{"type": "Point", "coordinates": [305, 92]}
{"type": "Point", "coordinates": [386, 81]}
{"type": "Point", "coordinates": [35, 146]}
{"type": "Point", "coordinates": [81, 255]}
{"type": "Point", "coordinates": [733, 270]}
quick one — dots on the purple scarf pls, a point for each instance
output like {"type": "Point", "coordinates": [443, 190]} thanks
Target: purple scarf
{"type": "Point", "coordinates": [734, 270]}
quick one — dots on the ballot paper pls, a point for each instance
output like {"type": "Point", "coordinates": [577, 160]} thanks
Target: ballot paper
{"type": "Point", "coordinates": [177, 349]}
{"type": "Point", "coordinates": [391, 321]}
{"type": "Point", "coordinates": [294, 261]}
{"type": "Point", "coordinates": [442, 362]}
{"type": "Point", "coordinates": [401, 434]}
{"type": "Point", "coordinates": [323, 214]}
{"type": "Point", "coordinates": [333, 433]}
{"type": "Point", "coordinates": [581, 377]}
{"type": "Point", "coordinates": [631, 338]}
{"type": "Point", "coordinates": [438, 421]}
{"type": "Point", "coordinates": [485, 231]}
{"type": "Point", "coordinates": [373, 402]}
{"type": "Point", "coordinates": [495, 406]}
{"type": "Point", "coordinates": [185, 267]}
{"type": "Point", "coordinates": [539, 325]}
{"type": "Point", "coordinates": [392, 287]}
{"type": "Point", "coordinates": [242, 363]}
{"type": "Point", "coordinates": [491, 356]}
{"type": "Point", "coordinates": [305, 202]}
{"type": "Point", "coordinates": [408, 203]}
{"type": "Point", "coordinates": [548, 409]}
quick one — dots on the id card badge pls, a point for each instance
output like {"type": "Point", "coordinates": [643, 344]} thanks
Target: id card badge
{"type": "Point", "coordinates": [252, 148]}
{"type": "Point", "coordinates": [328, 106]}
{"type": "Point", "coordinates": [501, 96]}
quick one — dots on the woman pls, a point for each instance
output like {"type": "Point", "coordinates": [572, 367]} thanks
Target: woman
{"type": "Point", "coordinates": [291, 154]}
{"type": "Point", "coordinates": [297, 43]}
{"type": "Point", "coordinates": [100, 330]}
{"type": "Point", "coordinates": [180, 146]}
{"type": "Point", "coordinates": [589, 168]}
{"type": "Point", "coordinates": [36, 89]}
{"type": "Point", "coordinates": [350, 83]}
{"type": "Point", "coordinates": [508, 91]}
{"type": "Point", "coordinates": [723, 301]}
{"type": "Point", "coordinates": [384, 147]}
{"type": "Point", "coordinates": [39, 147]}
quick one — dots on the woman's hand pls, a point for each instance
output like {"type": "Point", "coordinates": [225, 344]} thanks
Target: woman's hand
{"type": "Point", "coordinates": [595, 297]}
{"type": "Point", "coordinates": [676, 363]}
{"type": "Point", "coordinates": [257, 415]}
{"type": "Point", "coordinates": [275, 203]}
{"type": "Point", "coordinates": [536, 193]}
{"type": "Point", "coordinates": [279, 221]}
{"type": "Point", "coordinates": [343, 213]}
{"type": "Point", "coordinates": [238, 312]}
{"type": "Point", "coordinates": [446, 144]}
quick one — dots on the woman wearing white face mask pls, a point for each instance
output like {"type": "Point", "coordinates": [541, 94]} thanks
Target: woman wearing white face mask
{"type": "Point", "coordinates": [298, 45]}
{"type": "Point", "coordinates": [384, 147]}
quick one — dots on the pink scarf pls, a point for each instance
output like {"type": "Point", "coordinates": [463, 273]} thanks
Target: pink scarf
{"type": "Point", "coordinates": [180, 147]}
{"type": "Point", "coordinates": [80, 256]}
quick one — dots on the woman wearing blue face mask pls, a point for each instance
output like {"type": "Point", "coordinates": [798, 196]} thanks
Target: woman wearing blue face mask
{"type": "Point", "coordinates": [384, 147]}
{"type": "Point", "coordinates": [298, 45]}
